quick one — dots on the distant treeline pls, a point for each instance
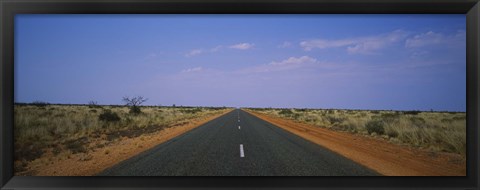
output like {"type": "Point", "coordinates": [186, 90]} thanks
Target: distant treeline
{"type": "Point", "coordinates": [43, 104]}
{"type": "Point", "coordinates": [408, 112]}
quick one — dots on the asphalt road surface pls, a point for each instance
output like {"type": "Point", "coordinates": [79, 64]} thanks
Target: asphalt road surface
{"type": "Point", "coordinates": [238, 144]}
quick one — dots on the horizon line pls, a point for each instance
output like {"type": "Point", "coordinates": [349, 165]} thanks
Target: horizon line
{"type": "Point", "coordinates": [236, 107]}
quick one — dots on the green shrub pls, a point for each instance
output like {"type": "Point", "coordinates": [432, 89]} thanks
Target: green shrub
{"type": "Point", "coordinates": [375, 126]}
{"type": "Point", "coordinates": [29, 150]}
{"type": "Point", "coordinates": [76, 146]}
{"type": "Point", "coordinates": [285, 112]}
{"type": "Point", "coordinates": [191, 111]}
{"type": "Point", "coordinates": [390, 117]}
{"type": "Point", "coordinates": [411, 112]}
{"type": "Point", "coordinates": [333, 119]}
{"type": "Point", "coordinates": [296, 116]}
{"type": "Point", "coordinates": [417, 121]}
{"type": "Point", "coordinates": [40, 103]}
{"type": "Point", "coordinates": [109, 116]}
{"type": "Point", "coordinates": [135, 110]}
{"type": "Point", "coordinates": [392, 133]}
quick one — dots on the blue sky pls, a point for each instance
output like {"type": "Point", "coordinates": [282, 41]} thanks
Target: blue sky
{"type": "Point", "coordinates": [399, 62]}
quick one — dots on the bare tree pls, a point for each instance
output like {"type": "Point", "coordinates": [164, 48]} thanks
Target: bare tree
{"type": "Point", "coordinates": [134, 103]}
{"type": "Point", "coordinates": [93, 104]}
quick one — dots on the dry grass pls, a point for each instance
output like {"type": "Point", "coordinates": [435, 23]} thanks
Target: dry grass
{"type": "Point", "coordinates": [436, 131]}
{"type": "Point", "coordinates": [63, 130]}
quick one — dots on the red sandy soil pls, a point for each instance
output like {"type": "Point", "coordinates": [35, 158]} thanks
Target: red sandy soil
{"type": "Point", "coordinates": [88, 164]}
{"type": "Point", "coordinates": [378, 154]}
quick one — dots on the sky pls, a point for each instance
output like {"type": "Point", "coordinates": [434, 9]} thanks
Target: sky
{"type": "Point", "coordinates": [386, 62]}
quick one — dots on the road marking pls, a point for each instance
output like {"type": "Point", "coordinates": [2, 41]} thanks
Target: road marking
{"type": "Point", "coordinates": [238, 127]}
{"type": "Point", "coordinates": [239, 120]}
{"type": "Point", "coordinates": [241, 151]}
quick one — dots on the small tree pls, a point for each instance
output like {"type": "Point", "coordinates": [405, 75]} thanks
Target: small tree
{"type": "Point", "coordinates": [134, 103]}
{"type": "Point", "coordinates": [40, 103]}
{"type": "Point", "coordinates": [93, 104]}
{"type": "Point", "coordinates": [109, 116]}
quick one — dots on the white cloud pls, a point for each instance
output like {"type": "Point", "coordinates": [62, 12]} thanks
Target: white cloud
{"type": "Point", "coordinates": [215, 49]}
{"type": "Point", "coordinates": [424, 39]}
{"type": "Point", "coordinates": [418, 54]}
{"type": "Point", "coordinates": [290, 63]}
{"type": "Point", "coordinates": [295, 61]}
{"type": "Point", "coordinates": [196, 69]}
{"type": "Point", "coordinates": [242, 46]}
{"type": "Point", "coordinates": [361, 45]}
{"type": "Point", "coordinates": [149, 57]}
{"type": "Point", "coordinates": [433, 38]}
{"type": "Point", "coordinates": [285, 45]}
{"type": "Point", "coordinates": [323, 44]}
{"type": "Point", "coordinates": [194, 52]}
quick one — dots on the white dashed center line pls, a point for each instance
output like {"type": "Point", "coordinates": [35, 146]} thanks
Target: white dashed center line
{"type": "Point", "coordinates": [241, 151]}
{"type": "Point", "coordinates": [238, 127]}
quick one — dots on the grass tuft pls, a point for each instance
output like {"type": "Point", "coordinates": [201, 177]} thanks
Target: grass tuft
{"type": "Point", "coordinates": [375, 126]}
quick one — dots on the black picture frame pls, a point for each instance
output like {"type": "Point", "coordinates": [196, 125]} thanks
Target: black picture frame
{"type": "Point", "coordinates": [8, 9]}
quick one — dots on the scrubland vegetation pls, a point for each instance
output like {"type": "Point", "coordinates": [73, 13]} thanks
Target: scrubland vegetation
{"type": "Point", "coordinates": [436, 131]}
{"type": "Point", "coordinates": [42, 128]}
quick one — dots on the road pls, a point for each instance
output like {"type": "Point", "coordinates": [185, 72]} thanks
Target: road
{"type": "Point", "coordinates": [238, 144]}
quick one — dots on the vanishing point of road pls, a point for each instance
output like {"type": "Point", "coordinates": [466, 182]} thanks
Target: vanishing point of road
{"type": "Point", "coordinates": [238, 144]}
